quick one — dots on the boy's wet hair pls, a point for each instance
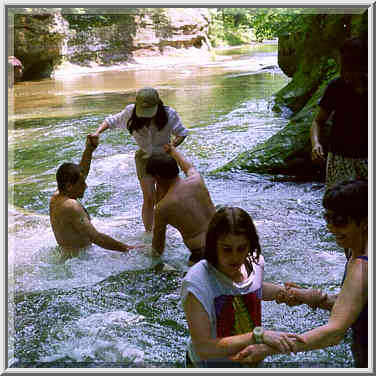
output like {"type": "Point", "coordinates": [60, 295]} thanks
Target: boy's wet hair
{"type": "Point", "coordinates": [348, 198]}
{"type": "Point", "coordinates": [231, 220]}
{"type": "Point", "coordinates": [67, 173]}
{"type": "Point", "coordinates": [162, 164]}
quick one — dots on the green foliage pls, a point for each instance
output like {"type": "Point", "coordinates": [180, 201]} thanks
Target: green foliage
{"type": "Point", "coordinates": [243, 24]}
{"type": "Point", "coordinates": [84, 19]}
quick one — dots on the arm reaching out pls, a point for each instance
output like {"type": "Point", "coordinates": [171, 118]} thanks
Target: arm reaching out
{"type": "Point", "coordinates": [81, 223]}
{"type": "Point", "coordinates": [346, 310]}
{"type": "Point", "coordinates": [101, 128]}
{"type": "Point", "coordinates": [225, 347]}
{"type": "Point", "coordinates": [183, 163]}
{"type": "Point", "coordinates": [291, 294]}
{"type": "Point", "coordinates": [91, 145]}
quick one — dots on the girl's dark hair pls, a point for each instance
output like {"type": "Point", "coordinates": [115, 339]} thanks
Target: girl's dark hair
{"type": "Point", "coordinates": [232, 220]}
{"type": "Point", "coordinates": [135, 123]}
{"type": "Point", "coordinates": [67, 173]}
{"type": "Point", "coordinates": [348, 198]}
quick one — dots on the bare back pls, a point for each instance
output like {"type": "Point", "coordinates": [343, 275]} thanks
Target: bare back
{"type": "Point", "coordinates": [64, 213]}
{"type": "Point", "coordinates": [187, 206]}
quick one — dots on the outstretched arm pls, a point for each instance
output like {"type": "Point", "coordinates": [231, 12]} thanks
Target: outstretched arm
{"type": "Point", "coordinates": [312, 297]}
{"type": "Point", "coordinates": [346, 310]}
{"type": "Point", "coordinates": [101, 128]}
{"type": "Point", "coordinates": [81, 224]}
{"type": "Point", "coordinates": [183, 163]}
{"type": "Point", "coordinates": [211, 348]}
{"type": "Point", "coordinates": [292, 295]}
{"type": "Point", "coordinates": [90, 146]}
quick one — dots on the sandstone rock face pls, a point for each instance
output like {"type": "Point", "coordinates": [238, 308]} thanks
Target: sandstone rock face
{"type": "Point", "coordinates": [42, 38]}
{"type": "Point", "coordinates": [166, 31]}
{"type": "Point", "coordinates": [38, 42]}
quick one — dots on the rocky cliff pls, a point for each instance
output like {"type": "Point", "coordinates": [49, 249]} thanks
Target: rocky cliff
{"type": "Point", "coordinates": [311, 59]}
{"type": "Point", "coordinates": [37, 40]}
{"type": "Point", "coordinates": [42, 38]}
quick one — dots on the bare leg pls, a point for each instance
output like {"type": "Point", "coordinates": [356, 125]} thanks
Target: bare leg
{"type": "Point", "coordinates": [161, 192]}
{"type": "Point", "coordinates": [148, 191]}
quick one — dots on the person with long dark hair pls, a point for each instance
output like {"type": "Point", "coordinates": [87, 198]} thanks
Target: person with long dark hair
{"type": "Point", "coordinates": [152, 124]}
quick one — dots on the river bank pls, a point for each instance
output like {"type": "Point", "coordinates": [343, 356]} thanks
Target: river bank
{"type": "Point", "coordinates": [177, 58]}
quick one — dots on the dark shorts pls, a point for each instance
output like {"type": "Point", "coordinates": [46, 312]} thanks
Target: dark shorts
{"type": "Point", "coordinates": [196, 255]}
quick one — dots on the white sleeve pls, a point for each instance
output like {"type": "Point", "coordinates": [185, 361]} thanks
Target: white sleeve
{"type": "Point", "coordinates": [120, 120]}
{"type": "Point", "coordinates": [196, 283]}
{"type": "Point", "coordinates": [177, 127]}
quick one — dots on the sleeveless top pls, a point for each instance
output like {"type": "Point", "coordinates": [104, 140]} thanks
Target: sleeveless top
{"type": "Point", "coordinates": [233, 308]}
{"type": "Point", "coordinates": [360, 332]}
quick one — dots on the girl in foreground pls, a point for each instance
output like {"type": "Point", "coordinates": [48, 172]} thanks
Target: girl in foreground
{"type": "Point", "coordinates": [221, 295]}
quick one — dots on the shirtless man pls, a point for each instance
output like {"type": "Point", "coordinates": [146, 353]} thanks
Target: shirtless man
{"type": "Point", "coordinates": [69, 219]}
{"type": "Point", "coordinates": [184, 203]}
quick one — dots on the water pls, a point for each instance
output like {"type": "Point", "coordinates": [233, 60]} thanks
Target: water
{"type": "Point", "coordinates": [106, 309]}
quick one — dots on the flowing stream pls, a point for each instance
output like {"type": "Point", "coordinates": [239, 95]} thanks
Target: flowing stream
{"type": "Point", "coordinates": [106, 309]}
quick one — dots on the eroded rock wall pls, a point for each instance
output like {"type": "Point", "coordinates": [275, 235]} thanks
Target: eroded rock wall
{"type": "Point", "coordinates": [37, 40]}
{"type": "Point", "coordinates": [42, 39]}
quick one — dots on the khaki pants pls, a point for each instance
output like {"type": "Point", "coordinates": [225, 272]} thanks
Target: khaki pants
{"type": "Point", "coordinates": [141, 160]}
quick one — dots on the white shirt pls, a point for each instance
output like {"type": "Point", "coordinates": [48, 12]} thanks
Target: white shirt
{"type": "Point", "coordinates": [150, 139]}
{"type": "Point", "coordinates": [210, 287]}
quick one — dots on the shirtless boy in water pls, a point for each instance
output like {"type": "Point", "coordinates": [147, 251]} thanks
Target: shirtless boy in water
{"type": "Point", "coordinates": [69, 219]}
{"type": "Point", "coordinates": [185, 203]}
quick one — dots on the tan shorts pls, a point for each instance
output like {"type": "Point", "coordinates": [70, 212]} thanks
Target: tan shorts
{"type": "Point", "coordinates": [340, 168]}
{"type": "Point", "coordinates": [141, 160]}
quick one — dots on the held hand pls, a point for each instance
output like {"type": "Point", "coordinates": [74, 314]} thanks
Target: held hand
{"type": "Point", "coordinates": [287, 295]}
{"type": "Point", "coordinates": [282, 341]}
{"type": "Point", "coordinates": [252, 354]}
{"type": "Point", "coordinates": [169, 148]}
{"type": "Point", "coordinates": [311, 297]}
{"type": "Point", "coordinates": [92, 141]}
{"type": "Point", "coordinates": [317, 152]}
{"type": "Point", "coordinates": [137, 246]}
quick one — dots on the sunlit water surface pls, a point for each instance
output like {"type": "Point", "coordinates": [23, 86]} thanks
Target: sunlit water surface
{"type": "Point", "coordinates": [106, 309]}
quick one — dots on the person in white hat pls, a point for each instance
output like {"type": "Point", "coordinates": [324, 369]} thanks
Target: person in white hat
{"type": "Point", "coordinates": [152, 124]}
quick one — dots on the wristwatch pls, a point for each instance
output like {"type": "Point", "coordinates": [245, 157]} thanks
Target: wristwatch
{"type": "Point", "coordinates": [258, 334]}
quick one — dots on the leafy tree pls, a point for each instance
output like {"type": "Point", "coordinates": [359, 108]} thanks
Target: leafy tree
{"type": "Point", "coordinates": [266, 23]}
